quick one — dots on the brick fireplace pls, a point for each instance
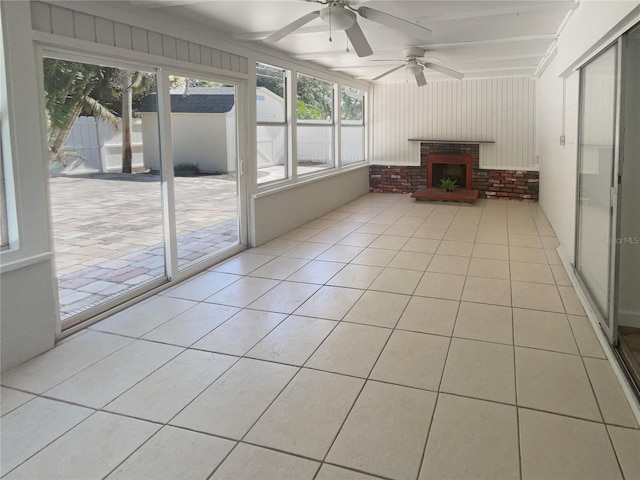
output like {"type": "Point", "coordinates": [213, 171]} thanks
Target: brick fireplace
{"type": "Point", "coordinates": [497, 184]}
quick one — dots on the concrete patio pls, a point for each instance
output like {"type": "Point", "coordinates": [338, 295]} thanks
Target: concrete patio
{"type": "Point", "coordinates": [108, 234]}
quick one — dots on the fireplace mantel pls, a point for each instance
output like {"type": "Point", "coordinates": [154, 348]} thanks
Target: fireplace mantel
{"type": "Point", "coordinates": [472, 142]}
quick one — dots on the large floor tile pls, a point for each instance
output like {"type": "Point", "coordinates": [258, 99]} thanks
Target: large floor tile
{"type": "Point", "coordinates": [279, 245]}
{"type": "Point", "coordinates": [440, 285]}
{"type": "Point", "coordinates": [236, 400]}
{"type": "Point", "coordinates": [545, 330]}
{"type": "Point", "coordinates": [243, 292]}
{"type": "Point", "coordinates": [553, 446]}
{"type": "Point", "coordinates": [401, 230]}
{"type": "Point", "coordinates": [174, 453]}
{"type": "Point", "coordinates": [386, 431]}
{"type": "Point", "coordinates": [412, 359]}
{"type": "Point", "coordinates": [472, 439]}
{"type": "Point", "coordinates": [248, 462]}
{"type": "Point", "coordinates": [340, 253]}
{"type": "Point", "coordinates": [293, 341]}
{"type": "Point", "coordinates": [449, 264]}
{"type": "Point", "coordinates": [626, 443]}
{"type": "Point", "coordinates": [481, 370]}
{"type": "Point", "coordinates": [397, 280]}
{"type": "Point", "coordinates": [490, 323]}
{"type": "Point", "coordinates": [531, 272]}
{"type": "Point", "coordinates": [522, 240]}
{"type": "Point", "coordinates": [492, 237]}
{"type": "Point", "coordinates": [611, 398]}
{"type": "Point", "coordinates": [331, 472]}
{"type": "Point", "coordinates": [201, 286]}
{"type": "Point", "coordinates": [571, 301]}
{"type": "Point", "coordinates": [176, 384]}
{"type": "Point", "coordinates": [307, 250]}
{"type": "Point", "coordinates": [350, 349]}
{"type": "Point", "coordinates": [378, 308]}
{"type": "Point", "coordinates": [527, 254]}
{"type": "Point", "coordinates": [555, 382]}
{"type": "Point", "coordinates": [487, 290]}
{"type": "Point", "coordinates": [421, 245]}
{"type": "Point", "coordinates": [330, 302]}
{"type": "Point", "coordinates": [11, 399]}
{"type": "Point", "coordinates": [358, 239]}
{"type": "Point", "coordinates": [429, 315]}
{"type": "Point", "coordinates": [317, 272]}
{"type": "Point", "coordinates": [191, 325]}
{"type": "Point", "coordinates": [376, 257]}
{"type": "Point", "coordinates": [241, 332]}
{"type": "Point", "coordinates": [411, 261]}
{"type": "Point", "coordinates": [244, 263]}
{"type": "Point", "coordinates": [355, 276]}
{"type": "Point", "coordinates": [104, 381]}
{"type": "Point", "coordinates": [33, 426]}
{"type": "Point", "coordinates": [490, 251]}
{"type": "Point", "coordinates": [488, 268]}
{"type": "Point", "coordinates": [536, 296]}
{"type": "Point", "coordinates": [90, 450]}
{"type": "Point", "coordinates": [142, 318]}
{"type": "Point", "coordinates": [306, 416]}
{"type": "Point", "coordinates": [279, 268]}
{"type": "Point", "coordinates": [585, 336]}
{"type": "Point", "coordinates": [285, 297]}
{"type": "Point", "coordinates": [389, 242]}
{"type": "Point", "coordinates": [449, 247]}
{"type": "Point", "coordinates": [52, 367]}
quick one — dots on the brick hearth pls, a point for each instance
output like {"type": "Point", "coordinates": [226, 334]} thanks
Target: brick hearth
{"type": "Point", "coordinates": [497, 184]}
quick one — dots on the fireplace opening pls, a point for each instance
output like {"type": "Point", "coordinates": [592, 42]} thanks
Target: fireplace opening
{"type": "Point", "coordinates": [456, 167]}
{"type": "Point", "coordinates": [456, 172]}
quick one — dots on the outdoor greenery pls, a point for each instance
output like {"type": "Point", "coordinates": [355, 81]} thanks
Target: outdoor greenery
{"type": "Point", "coordinates": [185, 169]}
{"type": "Point", "coordinates": [315, 99]}
{"type": "Point", "coordinates": [73, 89]}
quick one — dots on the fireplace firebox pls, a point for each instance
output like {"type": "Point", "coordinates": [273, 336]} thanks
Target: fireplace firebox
{"type": "Point", "coordinates": [456, 167]}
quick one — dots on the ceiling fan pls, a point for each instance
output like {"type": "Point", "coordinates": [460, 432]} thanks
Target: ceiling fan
{"type": "Point", "coordinates": [415, 66]}
{"type": "Point", "coordinates": [340, 15]}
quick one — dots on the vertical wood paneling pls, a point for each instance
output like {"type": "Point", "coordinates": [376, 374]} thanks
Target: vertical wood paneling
{"type": "Point", "coordinates": [70, 23]}
{"type": "Point", "coordinates": [498, 109]}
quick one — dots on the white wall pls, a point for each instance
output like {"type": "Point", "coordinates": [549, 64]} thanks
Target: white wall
{"type": "Point", "coordinates": [498, 109]}
{"type": "Point", "coordinates": [558, 163]}
{"type": "Point", "coordinates": [281, 211]}
{"type": "Point", "coordinates": [592, 26]}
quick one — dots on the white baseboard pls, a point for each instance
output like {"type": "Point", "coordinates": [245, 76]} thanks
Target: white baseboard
{"type": "Point", "coordinates": [604, 342]}
{"type": "Point", "coordinates": [629, 319]}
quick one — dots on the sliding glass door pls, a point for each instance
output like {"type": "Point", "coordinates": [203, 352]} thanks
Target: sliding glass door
{"type": "Point", "coordinates": [145, 184]}
{"type": "Point", "coordinates": [598, 182]}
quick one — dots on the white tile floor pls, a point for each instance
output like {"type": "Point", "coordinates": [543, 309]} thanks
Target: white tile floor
{"type": "Point", "coordinates": [388, 339]}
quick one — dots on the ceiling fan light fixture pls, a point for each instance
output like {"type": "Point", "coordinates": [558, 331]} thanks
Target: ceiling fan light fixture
{"type": "Point", "coordinates": [338, 17]}
{"type": "Point", "coordinates": [414, 69]}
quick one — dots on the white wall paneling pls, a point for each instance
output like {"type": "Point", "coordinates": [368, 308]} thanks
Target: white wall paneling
{"type": "Point", "coordinates": [498, 109]}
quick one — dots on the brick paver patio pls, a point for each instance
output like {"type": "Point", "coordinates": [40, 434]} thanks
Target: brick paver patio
{"type": "Point", "coordinates": [108, 232]}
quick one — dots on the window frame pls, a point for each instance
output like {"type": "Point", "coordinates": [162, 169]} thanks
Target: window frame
{"type": "Point", "coordinates": [285, 124]}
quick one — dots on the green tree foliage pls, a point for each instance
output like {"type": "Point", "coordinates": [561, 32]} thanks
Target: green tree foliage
{"type": "Point", "coordinates": [351, 104]}
{"type": "Point", "coordinates": [315, 99]}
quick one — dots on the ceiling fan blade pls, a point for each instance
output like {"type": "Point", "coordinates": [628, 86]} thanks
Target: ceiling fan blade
{"type": "Point", "coordinates": [388, 72]}
{"type": "Point", "coordinates": [292, 27]}
{"type": "Point", "coordinates": [396, 23]}
{"type": "Point", "coordinates": [444, 70]}
{"type": "Point", "coordinates": [359, 41]}
{"type": "Point", "coordinates": [420, 80]}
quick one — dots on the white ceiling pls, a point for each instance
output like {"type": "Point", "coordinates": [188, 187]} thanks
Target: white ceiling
{"type": "Point", "coordinates": [477, 38]}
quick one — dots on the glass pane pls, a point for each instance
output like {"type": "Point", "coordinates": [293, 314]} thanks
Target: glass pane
{"type": "Point", "coordinates": [315, 148]}
{"type": "Point", "coordinates": [352, 144]}
{"type": "Point", "coordinates": [272, 152]}
{"type": "Point", "coordinates": [315, 100]}
{"type": "Point", "coordinates": [597, 141]}
{"type": "Point", "coordinates": [203, 128]}
{"type": "Point", "coordinates": [105, 182]}
{"type": "Point", "coordinates": [271, 109]}
{"type": "Point", "coordinates": [352, 120]}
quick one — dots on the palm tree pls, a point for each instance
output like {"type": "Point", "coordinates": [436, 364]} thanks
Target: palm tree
{"type": "Point", "coordinates": [68, 90]}
{"type": "Point", "coordinates": [127, 82]}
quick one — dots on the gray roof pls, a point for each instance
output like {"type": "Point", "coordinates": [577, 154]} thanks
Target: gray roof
{"type": "Point", "coordinates": [198, 100]}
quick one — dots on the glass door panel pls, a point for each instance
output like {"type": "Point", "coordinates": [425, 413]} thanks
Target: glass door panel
{"type": "Point", "coordinates": [105, 185]}
{"type": "Point", "coordinates": [596, 173]}
{"type": "Point", "coordinates": [205, 159]}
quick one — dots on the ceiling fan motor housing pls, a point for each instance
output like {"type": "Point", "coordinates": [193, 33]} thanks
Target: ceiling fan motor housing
{"type": "Point", "coordinates": [338, 17]}
{"type": "Point", "coordinates": [411, 53]}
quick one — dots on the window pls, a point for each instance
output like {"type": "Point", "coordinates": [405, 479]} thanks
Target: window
{"type": "Point", "coordinates": [315, 135]}
{"type": "Point", "coordinates": [352, 125]}
{"type": "Point", "coordinates": [271, 111]}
